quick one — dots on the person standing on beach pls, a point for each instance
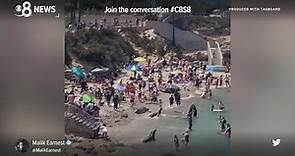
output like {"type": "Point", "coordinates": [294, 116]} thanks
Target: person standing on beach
{"type": "Point", "coordinates": [171, 100]}
{"type": "Point", "coordinates": [208, 75]}
{"type": "Point", "coordinates": [159, 79]}
{"type": "Point", "coordinates": [96, 110]}
{"type": "Point", "coordinates": [210, 94]}
{"type": "Point", "coordinates": [177, 98]}
{"type": "Point", "coordinates": [108, 97]}
{"type": "Point", "coordinates": [132, 99]}
{"type": "Point", "coordinates": [127, 88]}
{"type": "Point", "coordinates": [190, 120]}
{"type": "Point", "coordinates": [160, 111]}
{"type": "Point", "coordinates": [98, 94]}
{"type": "Point", "coordinates": [186, 138]}
{"type": "Point", "coordinates": [116, 101]}
{"type": "Point", "coordinates": [176, 142]}
{"type": "Point", "coordinates": [197, 82]}
{"type": "Point", "coordinates": [220, 80]}
{"type": "Point", "coordinates": [139, 85]}
{"type": "Point", "coordinates": [226, 80]}
{"type": "Point", "coordinates": [227, 131]}
{"type": "Point", "coordinates": [222, 124]}
{"type": "Point", "coordinates": [83, 86]}
{"type": "Point", "coordinates": [193, 110]}
{"type": "Point", "coordinates": [216, 83]}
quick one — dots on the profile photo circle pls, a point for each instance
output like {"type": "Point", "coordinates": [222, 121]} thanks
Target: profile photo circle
{"type": "Point", "coordinates": [22, 145]}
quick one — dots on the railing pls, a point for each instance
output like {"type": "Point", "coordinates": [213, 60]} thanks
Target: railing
{"type": "Point", "coordinates": [75, 109]}
{"type": "Point", "coordinates": [210, 55]}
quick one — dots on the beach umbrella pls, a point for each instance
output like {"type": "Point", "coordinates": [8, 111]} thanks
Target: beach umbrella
{"type": "Point", "coordinates": [77, 71]}
{"type": "Point", "coordinates": [86, 98]}
{"type": "Point", "coordinates": [216, 68]}
{"type": "Point", "coordinates": [135, 68]}
{"type": "Point", "coordinates": [98, 70]}
{"type": "Point", "coordinates": [139, 59]}
{"type": "Point", "coordinates": [119, 87]}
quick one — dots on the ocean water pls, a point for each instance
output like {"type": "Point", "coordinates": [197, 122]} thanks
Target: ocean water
{"type": "Point", "coordinates": [204, 138]}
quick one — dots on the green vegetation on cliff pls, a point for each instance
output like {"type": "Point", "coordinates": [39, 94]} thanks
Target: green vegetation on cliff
{"type": "Point", "coordinates": [98, 48]}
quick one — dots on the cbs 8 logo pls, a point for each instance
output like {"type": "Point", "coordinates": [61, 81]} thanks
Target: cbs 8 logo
{"type": "Point", "coordinates": [25, 9]}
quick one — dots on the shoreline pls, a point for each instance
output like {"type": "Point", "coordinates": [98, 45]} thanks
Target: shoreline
{"type": "Point", "coordinates": [135, 145]}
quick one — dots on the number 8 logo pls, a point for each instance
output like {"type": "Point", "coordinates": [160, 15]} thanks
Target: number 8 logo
{"type": "Point", "coordinates": [27, 11]}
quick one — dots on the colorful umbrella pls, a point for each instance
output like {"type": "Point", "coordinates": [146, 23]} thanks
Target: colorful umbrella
{"type": "Point", "coordinates": [135, 68]}
{"type": "Point", "coordinates": [216, 68]}
{"type": "Point", "coordinates": [139, 59]}
{"type": "Point", "coordinates": [77, 71]}
{"type": "Point", "coordinates": [98, 70]}
{"type": "Point", "coordinates": [86, 98]}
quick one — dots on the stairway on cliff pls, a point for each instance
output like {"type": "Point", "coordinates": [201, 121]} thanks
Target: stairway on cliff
{"type": "Point", "coordinates": [81, 123]}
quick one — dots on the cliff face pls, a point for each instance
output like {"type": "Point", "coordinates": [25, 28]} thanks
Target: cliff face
{"type": "Point", "coordinates": [97, 48]}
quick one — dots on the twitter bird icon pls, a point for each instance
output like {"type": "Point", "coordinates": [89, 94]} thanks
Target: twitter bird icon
{"type": "Point", "coordinates": [276, 142]}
